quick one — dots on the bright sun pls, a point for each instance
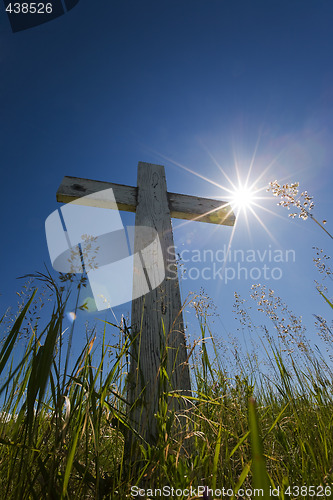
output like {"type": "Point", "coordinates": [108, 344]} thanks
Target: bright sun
{"type": "Point", "coordinates": [242, 197]}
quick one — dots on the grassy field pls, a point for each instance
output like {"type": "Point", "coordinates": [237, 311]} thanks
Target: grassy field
{"type": "Point", "coordinates": [62, 433]}
{"type": "Point", "coordinates": [256, 426]}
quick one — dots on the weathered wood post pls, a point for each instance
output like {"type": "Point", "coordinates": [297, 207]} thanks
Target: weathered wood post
{"type": "Point", "coordinates": [157, 318]}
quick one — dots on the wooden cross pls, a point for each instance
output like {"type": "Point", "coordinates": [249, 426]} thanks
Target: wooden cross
{"type": "Point", "coordinates": [157, 316]}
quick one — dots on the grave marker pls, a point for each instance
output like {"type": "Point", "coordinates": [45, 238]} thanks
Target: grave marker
{"type": "Point", "coordinates": [157, 316]}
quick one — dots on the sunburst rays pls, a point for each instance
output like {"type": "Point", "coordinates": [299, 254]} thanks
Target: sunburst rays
{"type": "Point", "coordinates": [241, 189]}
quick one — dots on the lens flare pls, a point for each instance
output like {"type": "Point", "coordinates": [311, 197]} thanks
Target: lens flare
{"type": "Point", "coordinates": [71, 316]}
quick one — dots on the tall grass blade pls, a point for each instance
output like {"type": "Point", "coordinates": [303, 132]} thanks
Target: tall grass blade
{"type": "Point", "coordinates": [13, 334]}
{"type": "Point", "coordinates": [259, 472]}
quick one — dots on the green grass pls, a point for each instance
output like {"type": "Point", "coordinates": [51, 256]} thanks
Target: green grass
{"type": "Point", "coordinates": [252, 427]}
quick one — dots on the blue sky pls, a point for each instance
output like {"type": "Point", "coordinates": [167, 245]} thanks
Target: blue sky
{"type": "Point", "coordinates": [181, 83]}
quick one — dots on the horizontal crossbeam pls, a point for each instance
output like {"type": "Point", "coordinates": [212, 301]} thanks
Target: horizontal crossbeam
{"type": "Point", "coordinates": [182, 206]}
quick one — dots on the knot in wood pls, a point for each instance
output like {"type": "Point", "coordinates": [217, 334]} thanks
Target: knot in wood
{"type": "Point", "coordinates": [78, 187]}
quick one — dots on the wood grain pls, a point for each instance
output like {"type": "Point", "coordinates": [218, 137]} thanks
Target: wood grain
{"type": "Point", "coordinates": [156, 317]}
{"type": "Point", "coordinates": [181, 206]}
